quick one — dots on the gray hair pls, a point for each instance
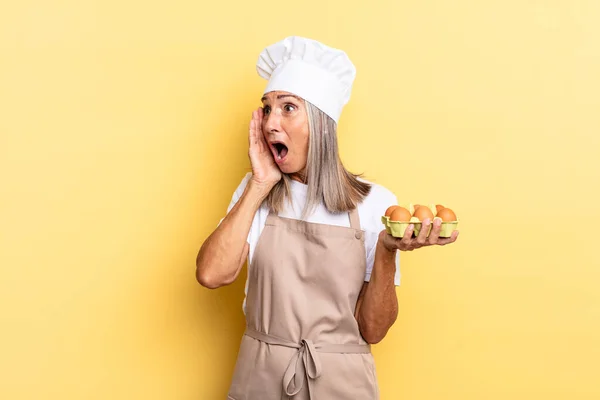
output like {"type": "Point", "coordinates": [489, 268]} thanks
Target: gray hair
{"type": "Point", "coordinates": [329, 182]}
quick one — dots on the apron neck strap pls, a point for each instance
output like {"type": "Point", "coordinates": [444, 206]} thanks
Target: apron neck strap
{"type": "Point", "coordinates": [354, 220]}
{"type": "Point", "coordinates": [352, 215]}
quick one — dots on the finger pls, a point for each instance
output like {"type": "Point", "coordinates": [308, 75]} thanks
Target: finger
{"type": "Point", "coordinates": [435, 231]}
{"type": "Point", "coordinates": [258, 137]}
{"type": "Point", "coordinates": [422, 238]}
{"type": "Point", "coordinates": [451, 239]}
{"type": "Point", "coordinates": [402, 245]}
{"type": "Point", "coordinates": [259, 128]}
{"type": "Point", "coordinates": [251, 130]}
{"type": "Point", "coordinates": [407, 238]}
{"type": "Point", "coordinates": [253, 120]}
{"type": "Point", "coordinates": [259, 119]}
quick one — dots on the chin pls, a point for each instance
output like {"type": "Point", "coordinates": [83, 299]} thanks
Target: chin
{"type": "Point", "coordinates": [287, 169]}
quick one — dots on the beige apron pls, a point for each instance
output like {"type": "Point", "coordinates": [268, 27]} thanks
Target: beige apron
{"type": "Point", "coordinates": [302, 341]}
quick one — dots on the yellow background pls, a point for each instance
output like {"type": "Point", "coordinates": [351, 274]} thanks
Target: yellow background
{"type": "Point", "coordinates": [123, 134]}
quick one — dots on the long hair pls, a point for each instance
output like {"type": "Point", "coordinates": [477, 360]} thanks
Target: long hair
{"type": "Point", "coordinates": [329, 182]}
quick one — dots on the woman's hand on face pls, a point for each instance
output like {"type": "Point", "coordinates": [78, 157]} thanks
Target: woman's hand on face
{"type": "Point", "coordinates": [409, 243]}
{"type": "Point", "coordinates": [264, 170]}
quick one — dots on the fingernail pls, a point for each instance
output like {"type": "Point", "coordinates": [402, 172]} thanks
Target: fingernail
{"type": "Point", "coordinates": [427, 221]}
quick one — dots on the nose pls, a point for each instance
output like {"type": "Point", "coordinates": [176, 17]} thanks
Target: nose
{"type": "Point", "coordinates": [272, 122]}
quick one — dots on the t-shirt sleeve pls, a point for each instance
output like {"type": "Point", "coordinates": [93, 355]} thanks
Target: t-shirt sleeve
{"type": "Point", "coordinates": [383, 200]}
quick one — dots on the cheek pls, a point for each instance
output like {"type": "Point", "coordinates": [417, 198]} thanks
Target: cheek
{"type": "Point", "coordinates": [301, 137]}
{"type": "Point", "coordinates": [305, 139]}
{"type": "Point", "coordinates": [301, 147]}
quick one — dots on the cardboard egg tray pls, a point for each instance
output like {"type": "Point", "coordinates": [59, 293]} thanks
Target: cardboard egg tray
{"type": "Point", "coordinates": [396, 229]}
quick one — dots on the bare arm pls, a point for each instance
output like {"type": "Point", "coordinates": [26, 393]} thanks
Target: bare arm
{"type": "Point", "coordinates": [223, 254]}
{"type": "Point", "coordinates": [377, 305]}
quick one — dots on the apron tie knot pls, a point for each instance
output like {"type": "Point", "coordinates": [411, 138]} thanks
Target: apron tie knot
{"type": "Point", "coordinates": [305, 364]}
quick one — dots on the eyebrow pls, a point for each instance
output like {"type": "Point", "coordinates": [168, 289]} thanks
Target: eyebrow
{"type": "Point", "coordinates": [282, 96]}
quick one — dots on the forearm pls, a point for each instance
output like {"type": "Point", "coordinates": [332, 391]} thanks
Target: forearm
{"type": "Point", "coordinates": [222, 255]}
{"type": "Point", "coordinates": [379, 307]}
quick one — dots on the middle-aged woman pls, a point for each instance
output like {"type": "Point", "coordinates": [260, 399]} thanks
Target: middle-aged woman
{"type": "Point", "coordinates": [322, 270]}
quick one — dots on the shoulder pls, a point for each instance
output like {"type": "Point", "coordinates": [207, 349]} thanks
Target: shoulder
{"type": "Point", "coordinates": [378, 197]}
{"type": "Point", "coordinates": [374, 205]}
{"type": "Point", "coordinates": [245, 181]}
{"type": "Point", "coordinates": [239, 191]}
{"type": "Point", "coordinates": [242, 186]}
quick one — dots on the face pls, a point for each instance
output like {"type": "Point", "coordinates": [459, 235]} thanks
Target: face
{"type": "Point", "coordinates": [285, 125]}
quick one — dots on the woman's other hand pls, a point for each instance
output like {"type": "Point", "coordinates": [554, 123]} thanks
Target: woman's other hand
{"type": "Point", "coordinates": [410, 243]}
{"type": "Point", "coordinates": [265, 172]}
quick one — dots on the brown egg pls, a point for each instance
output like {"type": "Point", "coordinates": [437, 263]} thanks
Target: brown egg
{"type": "Point", "coordinates": [438, 208]}
{"type": "Point", "coordinates": [447, 215]}
{"type": "Point", "coordinates": [389, 211]}
{"type": "Point", "coordinates": [422, 213]}
{"type": "Point", "coordinates": [416, 206]}
{"type": "Point", "coordinates": [400, 214]}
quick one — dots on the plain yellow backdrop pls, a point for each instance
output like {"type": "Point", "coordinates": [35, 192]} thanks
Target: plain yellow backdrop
{"type": "Point", "coordinates": [123, 133]}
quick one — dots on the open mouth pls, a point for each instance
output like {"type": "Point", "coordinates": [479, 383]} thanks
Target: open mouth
{"type": "Point", "coordinates": [280, 150]}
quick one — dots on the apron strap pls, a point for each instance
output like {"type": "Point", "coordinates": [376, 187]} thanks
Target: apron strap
{"type": "Point", "coordinates": [352, 215]}
{"type": "Point", "coordinates": [354, 220]}
{"type": "Point", "coordinates": [305, 365]}
{"type": "Point", "coordinates": [272, 218]}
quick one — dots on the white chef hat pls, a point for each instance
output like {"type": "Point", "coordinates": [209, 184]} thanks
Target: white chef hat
{"type": "Point", "coordinates": [319, 74]}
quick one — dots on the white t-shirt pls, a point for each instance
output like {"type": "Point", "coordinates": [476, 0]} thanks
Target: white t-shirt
{"type": "Point", "coordinates": [370, 211]}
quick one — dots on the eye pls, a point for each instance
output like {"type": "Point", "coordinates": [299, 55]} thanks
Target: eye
{"type": "Point", "coordinates": [266, 110]}
{"type": "Point", "coordinates": [289, 107]}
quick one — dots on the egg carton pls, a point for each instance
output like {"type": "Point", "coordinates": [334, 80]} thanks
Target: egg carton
{"type": "Point", "coordinates": [396, 229]}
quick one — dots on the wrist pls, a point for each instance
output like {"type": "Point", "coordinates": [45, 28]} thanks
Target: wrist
{"type": "Point", "coordinates": [259, 190]}
{"type": "Point", "coordinates": [388, 249]}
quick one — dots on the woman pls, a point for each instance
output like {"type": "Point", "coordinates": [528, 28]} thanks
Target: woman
{"type": "Point", "coordinates": [322, 271]}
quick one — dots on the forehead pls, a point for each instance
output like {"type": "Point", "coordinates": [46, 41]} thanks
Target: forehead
{"type": "Point", "coordinates": [278, 95]}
